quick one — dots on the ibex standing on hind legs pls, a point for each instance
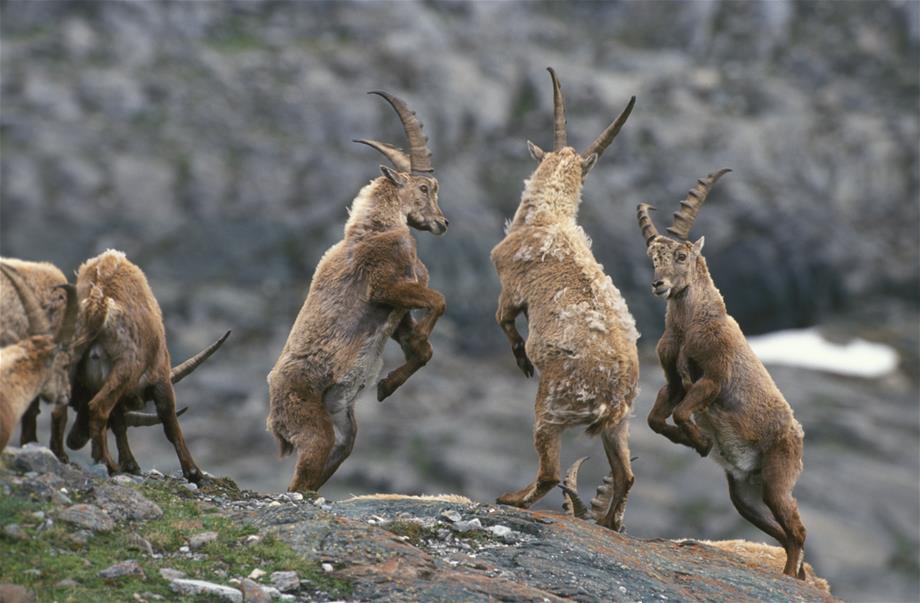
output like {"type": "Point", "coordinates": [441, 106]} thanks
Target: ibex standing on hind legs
{"type": "Point", "coordinates": [582, 336]}
{"type": "Point", "coordinates": [719, 393]}
{"type": "Point", "coordinates": [361, 295]}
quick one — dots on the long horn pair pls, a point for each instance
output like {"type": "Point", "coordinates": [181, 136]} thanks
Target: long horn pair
{"type": "Point", "coordinates": [135, 418]}
{"type": "Point", "coordinates": [685, 216]}
{"type": "Point", "coordinates": [418, 160]}
{"type": "Point", "coordinates": [606, 137]}
{"type": "Point", "coordinates": [38, 320]}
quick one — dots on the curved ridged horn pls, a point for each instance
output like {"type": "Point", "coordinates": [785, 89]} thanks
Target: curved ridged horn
{"type": "Point", "coordinates": [573, 504]}
{"type": "Point", "coordinates": [38, 320]}
{"type": "Point", "coordinates": [419, 155]}
{"type": "Point", "coordinates": [69, 324]}
{"type": "Point", "coordinates": [603, 141]}
{"type": "Point", "coordinates": [689, 207]}
{"type": "Point", "coordinates": [649, 231]}
{"type": "Point", "coordinates": [396, 155]}
{"type": "Point", "coordinates": [181, 371]}
{"type": "Point", "coordinates": [135, 418]}
{"type": "Point", "coordinates": [559, 136]}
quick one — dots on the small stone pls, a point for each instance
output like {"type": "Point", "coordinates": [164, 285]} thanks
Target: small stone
{"type": "Point", "coordinates": [122, 479]}
{"type": "Point", "coordinates": [451, 515]}
{"type": "Point", "coordinates": [184, 549]}
{"type": "Point", "coordinates": [253, 539]}
{"type": "Point", "coordinates": [139, 543]}
{"type": "Point", "coordinates": [14, 531]}
{"type": "Point", "coordinates": [319, 502]}
{"type": "Point", "coordinates": [99, 470]}
{"type": "Point", "coordinates": [274, 503]}
{"type": "Point", "coordinates": [326, 507]}
{"type": "Point", "coordinates": [39, 515]}
{"type": "Point", "coordinates": [168, 573]}
{"type": "Point", "coordinates": [34, 572]}
{"type": "Point", "coordinates": [199, 540]}
{"type": "Point", "coordinates": [287, 597]}
{"type": "Point", "coordinates": [501, 531]}
{"type": "Point", "coordinates": [190, 486]}
{"type": "Point", "coordinates": [253, 592]}
{"type": "Point", "coordinates": [155, 474]}
{"type": "Point", "coordinates": [295, 496]}
{"type": "Point", "coordinates": [89, 517]}
{"type": "Point", "coordinates": [79, 538]}
{"type": "Point", "coordinates": [327, 567]}
{"type": "Point", "coordinates": [622, 589]}
{"type": "Point", "coordinates": [285, 581]}
{"type": "Point", "coordinates": [13, 593]}
{"type": "Point", "coordinates": [201, 587]}
{"type": "Point", "coordinates": [67, 583]}
{"type": "Point", "coordinates": [123, 568]}
{"type": "Point", "coordinates": [256, 574]}
{"type": "Point", "coordinates": [468, 526]}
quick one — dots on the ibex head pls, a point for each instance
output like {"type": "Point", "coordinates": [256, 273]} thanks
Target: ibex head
{"type": "Point", "coordinates": [675, 259]}
{"type": "Point", "coordinates": [416, 186]}
{"type": "Point", "coordinates": [56, 388]}
{"type": "Point", "coordinates": [565, 157]}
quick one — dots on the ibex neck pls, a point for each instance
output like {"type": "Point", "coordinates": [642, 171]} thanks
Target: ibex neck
{"type": "Point", "coordinates": [375, 209]}
{"type": "Point", "coordinates": [700, 301]}
{"type": "Point", "coordinates": [548, 199]}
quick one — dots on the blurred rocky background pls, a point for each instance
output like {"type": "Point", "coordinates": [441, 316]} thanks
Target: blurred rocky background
{"type": "Point", "coordinates": [211, 141]}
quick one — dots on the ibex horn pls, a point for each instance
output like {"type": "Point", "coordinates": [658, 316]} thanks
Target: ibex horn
{"type": "Point", "coordinates": [649, 231]}
{"type": "Point", "coordinates": [686, 215]}
{"type": "Point", "coordinates": [396, 155]}
{"type": "Point", "coordinates": [69, 324]}
{"type": "Point", "coordinates": [38, 320]}
{"type": "Point", "coordinates": [603, 141]}
{"type": "Point", "coordinates": [135, 418]}
{"type": "Point", "coordinates": [419, 154]}
{"type": "Point", "coordinates": [559, 136]}
{"type": "Point", "coordinates": [181, 371]}
{"type": "Point", "coordinates": [573, 504]}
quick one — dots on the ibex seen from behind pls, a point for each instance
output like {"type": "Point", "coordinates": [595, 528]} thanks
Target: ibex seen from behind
{"type": "Point", "coordinates": [719, 393]}
{"type": "Point", "coordinates": [582, 336]}
{"type": "Point", "coordinates": [362, 293]}
{"type": "Point", "coordinates": [27, 366]}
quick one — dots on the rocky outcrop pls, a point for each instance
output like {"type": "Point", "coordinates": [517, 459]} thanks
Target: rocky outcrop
{"type": "Point", "coordinates": [372, 548]}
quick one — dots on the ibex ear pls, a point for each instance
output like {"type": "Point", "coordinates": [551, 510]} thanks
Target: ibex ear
{"type": "Point", "coordinates": [698, 246]}
{"type": "Point", "coordinates": [587, 163]}
{"type": "Point", "coordinates": [397, 178]}
{"type": "Point", "coordinates": [535, 151]}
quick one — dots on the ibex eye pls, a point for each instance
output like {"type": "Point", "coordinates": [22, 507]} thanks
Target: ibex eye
{"type": "Point", "coordinates": [681, 257]}
{"type": "Point", "coordinates": [424, 188]}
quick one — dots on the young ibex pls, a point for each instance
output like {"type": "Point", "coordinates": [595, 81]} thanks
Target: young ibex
{"type": "Point", "coordinates": [582, 336]}
{"type": "Point", "coordinates": [44, 280]}
{"type": "Point", "coordinates": [717, 390]}
{"type": "Point", "coordinates": [361, 295]}
{"type": "Point", "coordinates": [119, 309]}
{"type": "Point", "coordinates": [26, 367]}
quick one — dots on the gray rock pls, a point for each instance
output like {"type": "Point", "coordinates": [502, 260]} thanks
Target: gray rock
{"type": "Point", "coordinates": [467, 526]}
{"type": "Point", "coordinates": [254, 592]}
{"type": "Point", "coordinates": [122, 569]}
{"type": "Point", "coordinates": [501, 531]}
{"type": "Point", "coordinates": [285, 581]}
{"type": "Point", "coordinates": [33, 457]}
{"type": "Point", "coordinates": [124, 502]}
{"type": "Point", "coordinates": [137, 542]}
{"type": "Point", "coordinates": [168, 573]}
{"type": "Point", "coordinates": [89, 517]}
{"type": "Point", "coordinates": [201, 587]}
{"type": "Point", "coordinates": [67, 583]}
{"type": "Point", "coordinates": [199, 540]}
{"type": "Point", "coordinates": [14, 531]}
{"type": "Point", "coordinates": [451, 515]}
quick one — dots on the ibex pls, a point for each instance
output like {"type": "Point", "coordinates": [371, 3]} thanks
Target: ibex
{"type": "Point", "coordinates": [26, 367]}
{"type": "Point", "coordinates": [361, 295]}
{"type": "Point", "coordinates": [43, 282]}
{"type": "Point", "coordinates": [582, 336]}
{"type": "Point", "coordinates": [717, 390]}
{"type": "Point", "coordinates": [118, 308]}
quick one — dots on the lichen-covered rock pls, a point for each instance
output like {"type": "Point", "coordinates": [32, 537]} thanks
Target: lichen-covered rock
{"type": "Point", "coordinates": [123, 569]}
{"type": "Point", "coordinates": [89, 517]}
{"type": "Point", "coordinates": [123, 502]}
{"type": "Point", "coordinates": [201, 587]}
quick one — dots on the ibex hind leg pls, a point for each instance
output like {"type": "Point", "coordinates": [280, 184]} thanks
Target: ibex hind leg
{"type": "Point", "coordinates": [748, 500]}
{"type": "Point", "coordinates": [126, 461]}
{"type": "Point", "coordinates": [100, 408]}
{"type": "Point", "coordinates": [780, 472]}
{"type": "Point", "coordinates": [616, 447]}
{"type": "Point", "coordinates": [29, 423]}
{"type": "Point", "coordinates": [165, 399]}
{"type": "Point", "coordinates": [345, 430]}
{"type": "Point", "coordinates": [58, 425]}
{"type": "Point", "coordinates": [313, 436]}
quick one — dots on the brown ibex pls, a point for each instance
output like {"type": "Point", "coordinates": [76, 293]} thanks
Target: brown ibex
{"type": "Point", "coordinates": [717, 390]}
{"type": "Point", "coordinates": [362, 293]}
{"type": "Point", "coordinates": [26, 367]}
{"type": "Point", "coordinates": [582, 336]}
{"type": "Point", "coordinates": [119, 309]}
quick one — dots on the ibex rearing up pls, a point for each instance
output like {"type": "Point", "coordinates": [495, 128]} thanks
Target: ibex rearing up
{"type": "Point", "coordinates": [720, 395]}
{"type": "Point", "coordinates": [361, 295]}
{"type": "Point", "coordinates": [582, 336]}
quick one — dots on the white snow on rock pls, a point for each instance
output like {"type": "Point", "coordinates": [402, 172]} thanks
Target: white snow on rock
{"type": "Point", "coordinates": [807, 348]}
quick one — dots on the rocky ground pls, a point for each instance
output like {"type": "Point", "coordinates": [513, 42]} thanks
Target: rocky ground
{"type": "Point", "coordinates": [71, 535]}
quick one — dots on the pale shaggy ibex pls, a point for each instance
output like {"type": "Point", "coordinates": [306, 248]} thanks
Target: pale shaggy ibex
{"type": "Point", "coordinates": [44, 280]}
{"type": "Point", "coordinates": [362, 293]}
{"type": "Point", "coordinates": [582, 336]}
{"type": "Point", "coordinates": [117, 305]}
{"type": "Point", "coordinates": [28, 365]}
{"type": "Point", "coordinates": [717, 390]}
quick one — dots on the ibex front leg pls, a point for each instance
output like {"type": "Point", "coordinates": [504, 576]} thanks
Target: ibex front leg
{"type": "Point", "coordinates": [417, 351]}
{"type": "Point", "coordinates": [505, 317]}
{"type": "Point", "coordinates": [409, 295]}
{"type": "Point", "coordinates": [698, 397]}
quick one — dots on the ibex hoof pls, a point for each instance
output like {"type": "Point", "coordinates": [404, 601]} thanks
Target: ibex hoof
{"type": "Point", "coordinates": [193, 475]}
{"type": "Point", "coordinates": [384, 389]}
{"type": "Point", "coordinates": [130, 467]}
{"type": "Point", "coordinates": [704, 447]}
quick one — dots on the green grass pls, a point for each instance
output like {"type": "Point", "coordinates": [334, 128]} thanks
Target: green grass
{"type": "Point", "coordinates": [56, 557]}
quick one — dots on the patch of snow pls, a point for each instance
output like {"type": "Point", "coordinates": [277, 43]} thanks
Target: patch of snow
{"type": "Point", "coordinates": [806, 348]}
